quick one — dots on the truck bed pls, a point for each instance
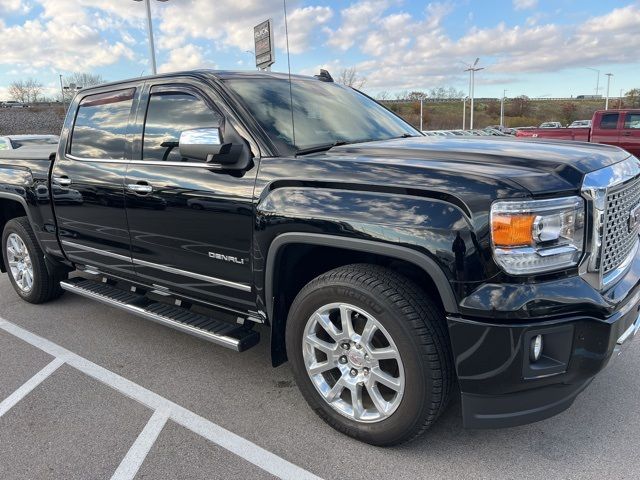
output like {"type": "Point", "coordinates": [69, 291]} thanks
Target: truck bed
{"type": "Point", "coordinates": [578, 134]}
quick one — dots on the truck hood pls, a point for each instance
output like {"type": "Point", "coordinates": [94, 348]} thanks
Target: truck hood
{"type": "Point", "coordinates": [540, 166]}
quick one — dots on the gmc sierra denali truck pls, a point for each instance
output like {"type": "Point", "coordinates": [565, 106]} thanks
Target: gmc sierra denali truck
{"type": "Point", "coordinates": [387, 266]}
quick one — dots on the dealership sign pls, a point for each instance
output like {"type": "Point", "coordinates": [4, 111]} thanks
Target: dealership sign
{"type": "Point", "coordinates": [265, 51]}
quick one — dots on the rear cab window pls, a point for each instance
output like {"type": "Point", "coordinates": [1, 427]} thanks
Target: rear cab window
{"type": "Point", "coordinates": [100, 128]}
{"type": "Point", "coordinates": [609, 121]}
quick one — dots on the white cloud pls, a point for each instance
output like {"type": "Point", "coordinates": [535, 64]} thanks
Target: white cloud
{"type": "Point", "coordinates": [524, 4]}
{"type": "Point", "coordinates": [201, 19]}
{"type": "Point", "coordinates": [65, 36]}
{"type": "Point", "coordinates": [356, 22]}
{"type": "Point", "coordinates": [405, 52]}
{"type": "Point", "coordinates": [12, 6]}
{"type": "Point", "coordinates": [303, 21]}
{"type": "Point", "coordinates": [188, 57]}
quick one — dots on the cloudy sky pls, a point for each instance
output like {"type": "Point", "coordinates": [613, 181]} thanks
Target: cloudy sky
{"type": "Point", "coordinates": [533, 47]}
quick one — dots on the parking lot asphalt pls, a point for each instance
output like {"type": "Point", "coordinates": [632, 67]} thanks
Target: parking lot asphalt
{"type": "Point", "coordinates": [121, 394]}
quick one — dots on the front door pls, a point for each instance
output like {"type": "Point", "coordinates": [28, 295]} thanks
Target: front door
{"type": "Point", "coordinates": [190, 225]}
{"type": "Point", "coordinates": [87, 185]}
{"type": "Point", "coordinates": [630, 133]}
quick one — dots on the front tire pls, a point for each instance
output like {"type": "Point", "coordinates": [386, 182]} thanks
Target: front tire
{"type": "Point", "coordinates": [370, 353]}
{"type": "Point", "coordinates": [24, 260]}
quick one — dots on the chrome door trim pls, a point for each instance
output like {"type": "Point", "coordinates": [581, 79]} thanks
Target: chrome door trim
{"type": "Point", "coordinates": [96, 160]}
{"type": "Point", "coordinates": [197, 276]}
{"type": "Point", "coordinates": [165, 268]}
{"type": "Point", "coordinates": [96, 250]}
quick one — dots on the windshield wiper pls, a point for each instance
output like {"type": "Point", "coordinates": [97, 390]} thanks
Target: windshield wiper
{"type": "Point", "coordinates": [320, 148]}
{"type": "Point", "coordinates": [407, 135]}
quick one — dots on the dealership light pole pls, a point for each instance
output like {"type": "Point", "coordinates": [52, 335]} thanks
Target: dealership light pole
{"type": "Point", "coordinates": [606, 102]}
{"type": "Point", "coordinates": [504, 94]}
{"type": "Point", "coordinates": [473, 69]}
{"type": "Point", "coordinates": [597, 78]}
{"type": "Point", "coordinates": [464, 113]}
{"type": "Point", "coordinates": [152, 50]}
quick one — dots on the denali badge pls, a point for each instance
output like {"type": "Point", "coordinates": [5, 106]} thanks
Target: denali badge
{"type": "Point", "coordinates": [226, 258]}
{"type": "Point", "coordinates": [634, 218]}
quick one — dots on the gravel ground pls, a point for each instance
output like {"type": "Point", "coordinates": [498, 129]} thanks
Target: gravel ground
{"type": "Point", "coordinates": [71, 426]}
{"type": "Point", "coordinates": [34, 120]}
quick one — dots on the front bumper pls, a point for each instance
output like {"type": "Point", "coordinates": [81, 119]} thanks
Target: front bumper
{"type": "Point", "coordinates": [501, 387]}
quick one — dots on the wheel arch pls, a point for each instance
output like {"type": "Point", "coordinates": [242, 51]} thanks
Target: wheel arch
{"type": "Point", "coordinates": [430, 269]}
{"type": "Point", "coordinates": [11, 206]}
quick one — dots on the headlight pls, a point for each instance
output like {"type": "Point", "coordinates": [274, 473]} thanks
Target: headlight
{"type": "Point", "coordinates": [537, 235]}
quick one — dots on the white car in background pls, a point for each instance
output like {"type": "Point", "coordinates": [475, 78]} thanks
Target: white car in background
{"type": "Point", "coordinates": [581, 124]}
{"type": "Point", "coordinates": [551, 125]}
{"type": "Point", "coordinates": [13, 104]}
{"type": "Point", "coordinates": [12, 142]}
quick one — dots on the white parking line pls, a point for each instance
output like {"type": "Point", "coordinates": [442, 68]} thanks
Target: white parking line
{"type": "Point", "coordinates": [8, 403]}
{"type": "Point", "coordinates": [243, 448]}
{"type": "Point", "coordinates": [141, 447]}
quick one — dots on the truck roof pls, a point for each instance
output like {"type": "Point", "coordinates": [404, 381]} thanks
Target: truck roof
{"type": "Point", "coordinates": [207, 73]}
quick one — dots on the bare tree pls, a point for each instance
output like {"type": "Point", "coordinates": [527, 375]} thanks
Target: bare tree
{"type": "Point", "coordinates": [18, 91]}
{"type": "Point", "coordinates": [384, 95]}
{"type": "Point", "coordinates": [350, 78]}
{"type": "Point", "coordinates": [34, 89]}
{"type": "Point", "coordinates": [416, 96]}
{"type": "Point", "coordinates": [84, 79]}
{"type": "Point", "coordinates": [25, 91]}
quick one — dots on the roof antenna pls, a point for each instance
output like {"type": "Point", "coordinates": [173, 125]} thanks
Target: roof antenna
{"type": "Point", "coordinates": [286, 31]}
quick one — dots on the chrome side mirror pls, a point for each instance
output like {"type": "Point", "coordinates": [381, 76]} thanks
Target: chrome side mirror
{"type": "Point", "coordinates": [200, 143]}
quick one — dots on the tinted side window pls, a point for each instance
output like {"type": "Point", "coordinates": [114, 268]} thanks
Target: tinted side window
{"type": "Point", "coordinates": [101, 125]}
{"type": "Point", "coordinates": [609, 121]}
{"type": "Point", "coordinates": [168, 115]}
{"type": "Point", "coordinates": [632, 120]}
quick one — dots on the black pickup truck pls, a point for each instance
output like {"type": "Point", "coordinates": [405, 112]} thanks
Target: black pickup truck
{"type": "Point", "coordinates": [388, 267]}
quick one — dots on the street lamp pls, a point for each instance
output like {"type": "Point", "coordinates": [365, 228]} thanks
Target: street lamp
{"type": "Point", "coordinates": [464, 113]}
{"type": "Point", "coordinates": [504, 94]}
{"type": "Point", "coordinates": [473, 69]}
{"type": "Point", "coordinates": [152, 49]}
{"type": "Point", "coordinates": [597, 78]}
{"type": "Point", "coordinates": [606, 102]}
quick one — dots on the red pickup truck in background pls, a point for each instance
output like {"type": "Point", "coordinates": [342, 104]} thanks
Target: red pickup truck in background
{"type": "Point", "coordinates": [613, 127]}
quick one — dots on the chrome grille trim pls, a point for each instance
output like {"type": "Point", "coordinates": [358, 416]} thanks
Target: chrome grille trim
{"type": "Point", "coordinates": [596, 188]}
{"type": "Point", "coordinates": [619, 240]}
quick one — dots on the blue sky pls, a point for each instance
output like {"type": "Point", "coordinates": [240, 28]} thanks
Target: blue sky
{"type": "Point", "coordinates": [532, 47]}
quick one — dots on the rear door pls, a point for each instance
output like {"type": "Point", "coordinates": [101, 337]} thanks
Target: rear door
{"type": "Point", "coordinates": [608, 131]}
{"type": "Point", "coordinates": [630, 133]}
{"type": "Point", "coordinates": [191, 225]}
{"type": "Point", "coordinates": [87, 185]}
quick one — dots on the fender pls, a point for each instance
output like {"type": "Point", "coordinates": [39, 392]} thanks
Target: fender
{"type": "Point", "coordinates": [17, 198]}
{"type": "Point", "coordinates": [393, 251]}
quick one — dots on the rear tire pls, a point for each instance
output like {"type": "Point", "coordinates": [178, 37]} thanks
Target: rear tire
{"type": "Point", "coordinates": [384, 388]}
{"type": "Point", "coordinates": [26, 267]}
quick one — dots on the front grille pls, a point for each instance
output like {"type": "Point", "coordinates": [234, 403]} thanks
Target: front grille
{"type": "Point", "coordinates": [618, 240]}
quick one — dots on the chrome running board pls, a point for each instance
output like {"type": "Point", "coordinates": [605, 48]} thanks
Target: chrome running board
{"type": "Point", "coordinates": [234, 337]}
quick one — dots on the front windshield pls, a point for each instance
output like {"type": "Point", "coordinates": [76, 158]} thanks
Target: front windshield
{"type": "Point", "coordinates": [325, 113]}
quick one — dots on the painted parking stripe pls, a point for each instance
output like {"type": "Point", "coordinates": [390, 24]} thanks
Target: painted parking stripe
{"type": "Point", "coordinates": [29, 385]}
{"type": "Point", "coordinates": [141, 447]}
{"type": "Point", "coordinates": [242, 447]}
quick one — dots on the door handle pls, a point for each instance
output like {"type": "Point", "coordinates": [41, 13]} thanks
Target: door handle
{"type": "Point", "coordinates": [62, 180]}
{"type": "Point", "coordinates": [140, 188]}
{"type": "Point", "coordinates": [626, 134]}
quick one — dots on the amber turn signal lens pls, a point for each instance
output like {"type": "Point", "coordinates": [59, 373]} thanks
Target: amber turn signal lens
{"type": "Point", "coordinates": [512, 230]}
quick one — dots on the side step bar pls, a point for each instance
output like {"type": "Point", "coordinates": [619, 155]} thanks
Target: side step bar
{"type": "Point", "coordinates": [231, 336]}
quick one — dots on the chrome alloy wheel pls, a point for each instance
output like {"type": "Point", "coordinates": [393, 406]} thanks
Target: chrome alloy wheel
{"type": "Point", "coordinates": [353, 362]}
{"type": "Point", "coordinates": [20, 263]}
